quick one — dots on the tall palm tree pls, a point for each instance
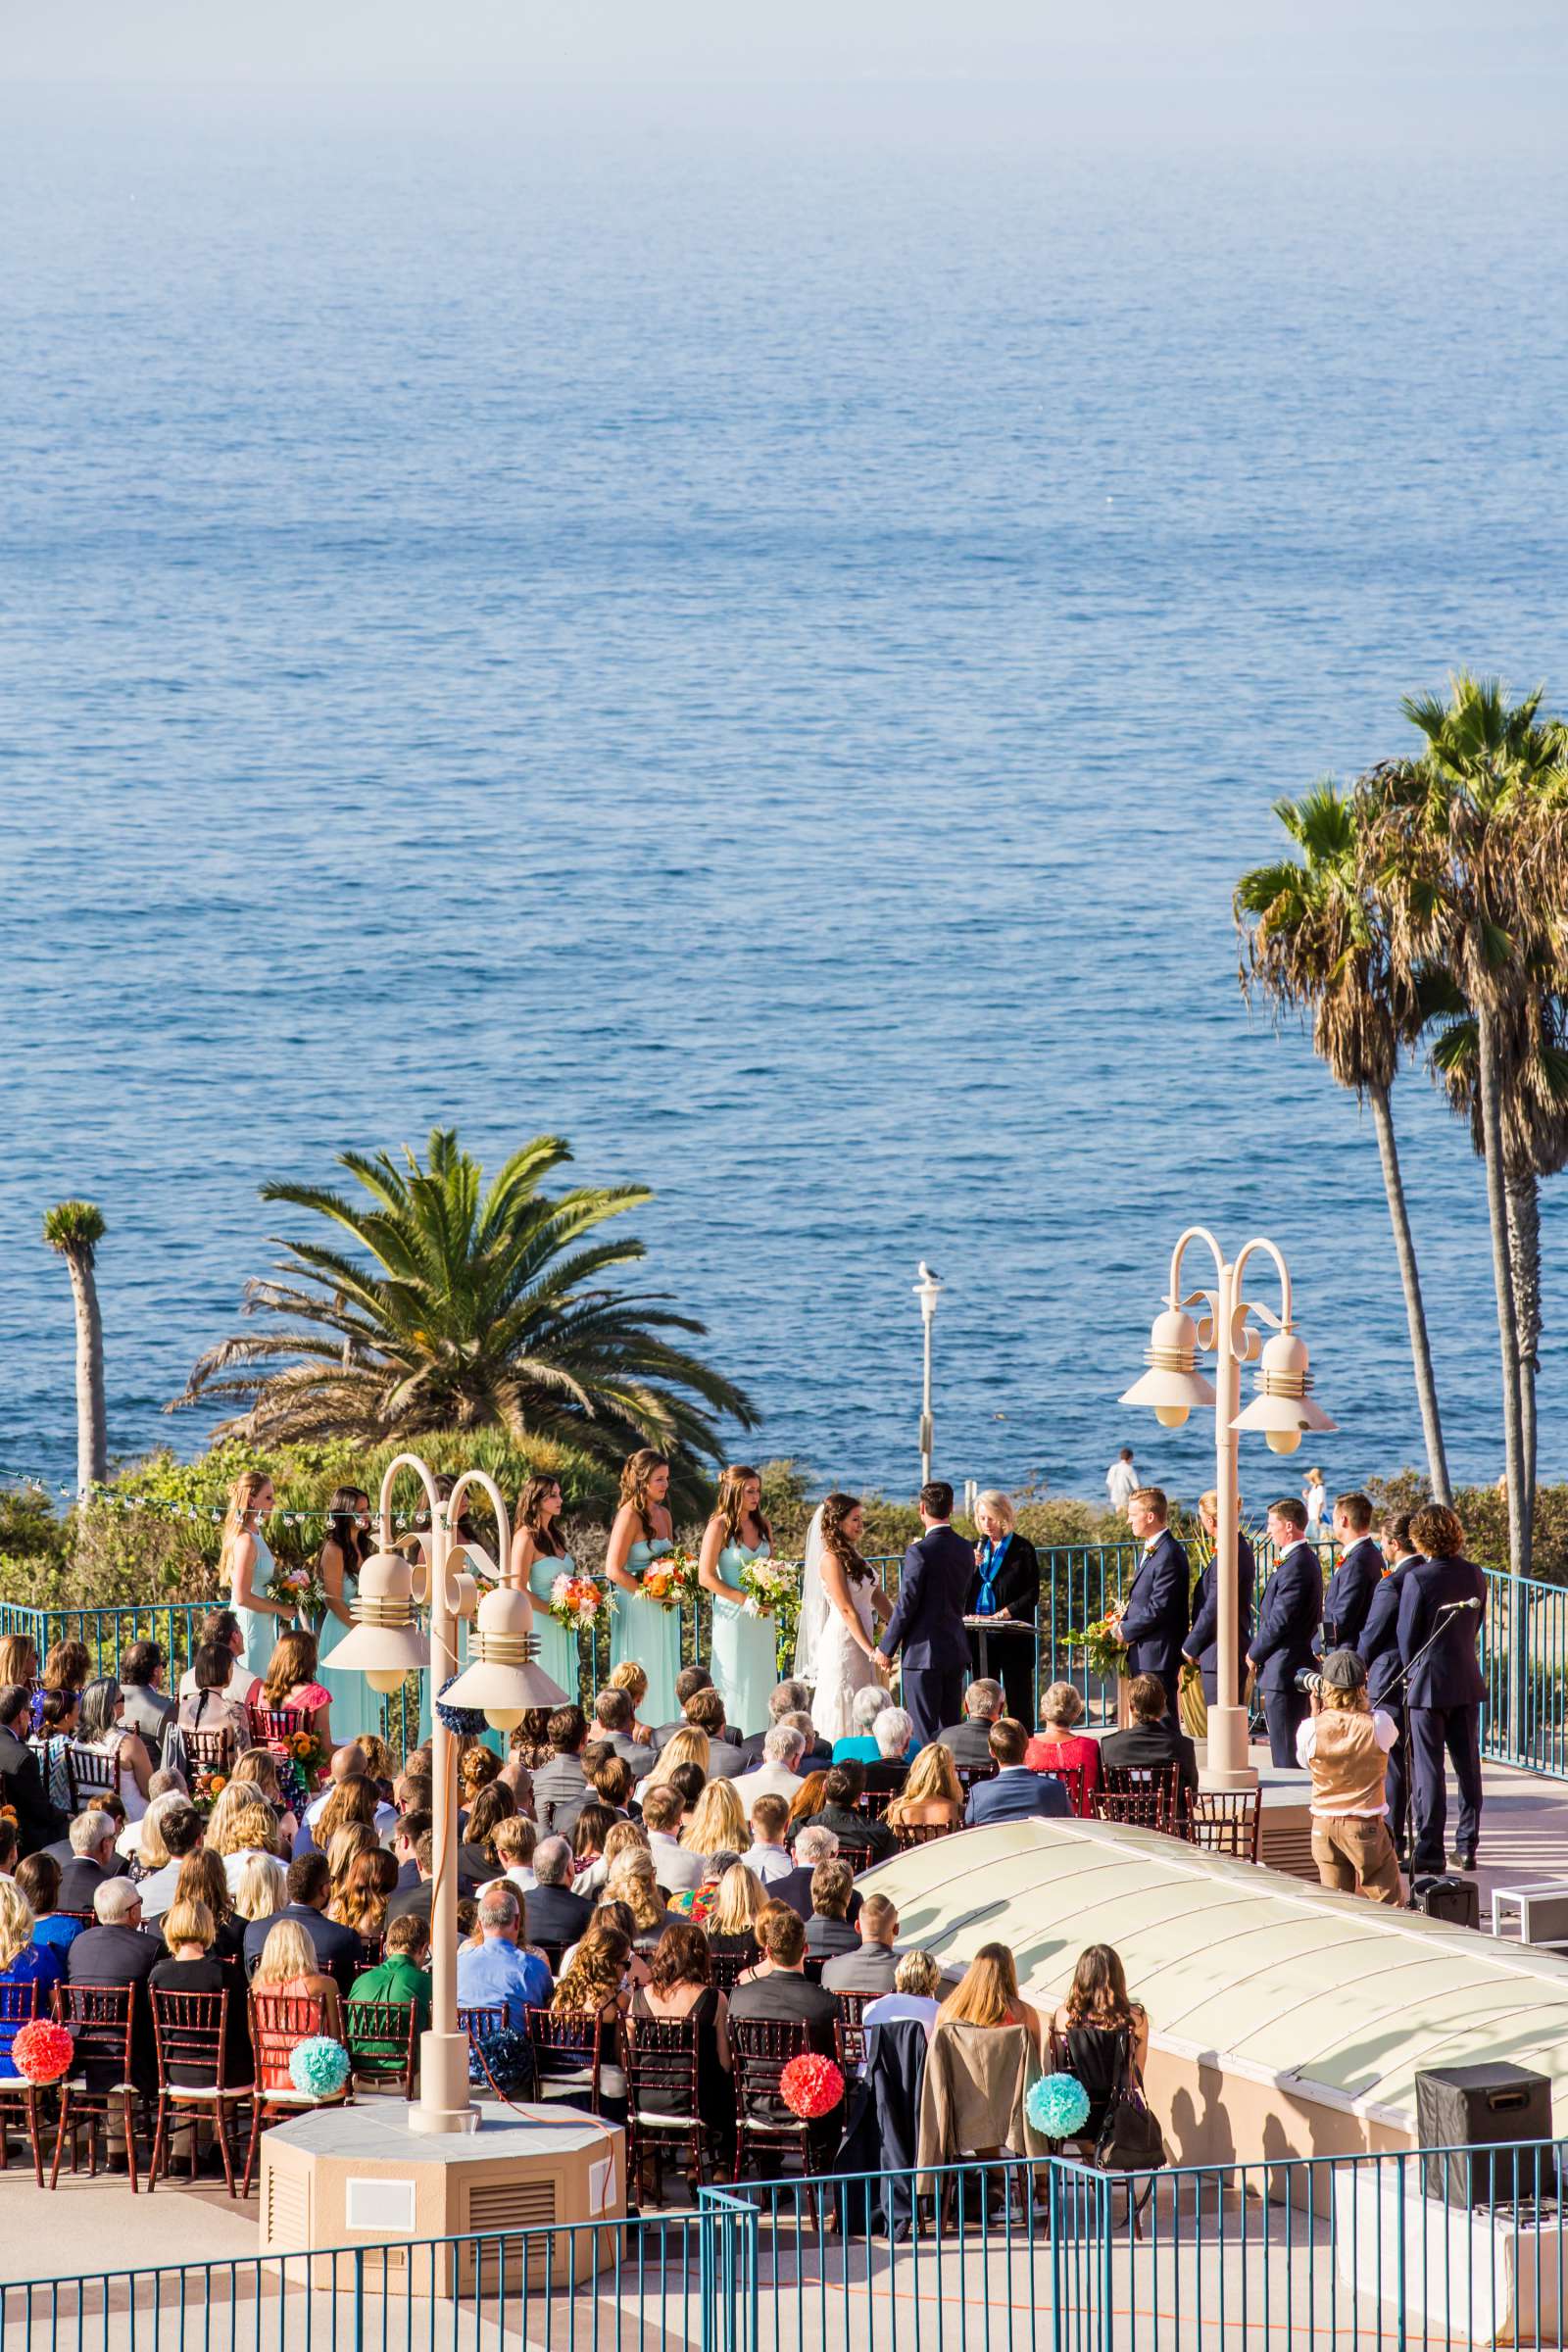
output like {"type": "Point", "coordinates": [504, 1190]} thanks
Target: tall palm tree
{"type": "Point", "coordinates": [1316, 943]}
{"type": "Point", "coordinates": [465, 1305]}
{"type": "Point", "coordinates": [1469, 849]}
{"type": "Point", "coordinates": [75, 1228]}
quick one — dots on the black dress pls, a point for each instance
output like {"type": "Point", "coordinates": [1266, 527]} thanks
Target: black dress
{"type": "Point", "coordinates": [715, 2087]}
{"type": "Point", "coordinates": [1010, 1650]}
{"type": "Point", "coordinates": [1099, 2058]}
{"type": "Point", "coordinates": [211, 1975]}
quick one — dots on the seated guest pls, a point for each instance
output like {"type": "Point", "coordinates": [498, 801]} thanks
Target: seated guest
{"type": "Point", "coordinates": [680, 1985]}
{"type": "Point", "coordinates": [1151, 1740]}
{"type": "Point", "coordinates": [769, 1858]}
{"type": "Point", "coordinates": [807, 1803]}
{"type": "Point", "coordinates": [932, 1794]}
{"type": "Point", "coordinates": [717, 1823]}
{"type": "Point", "coordinates": [987, 1995]}
{"type": "Point", "coordinates": [92, 1856]}
{"type": "Point", "coordinates": [350, 1762]}
{"type": "Point", "coordinates": [555, 1915]}
{"type": "Point", "coordinates": [689, 1681]}
{"type": "Point", "coordinates": [38, 1879]}
{"type": "Point", "coordinates": [893, 1735]}
{"type": "Point", "coordinates": [310, 1890]}
{"type": "Point", "coordinates": [289, 1684]}
{"type": "Point", "coordinates": [842, 1789]}
{"type": "Point", "coordinates": [705, 1712]}
{"type": "Point", "coordinates": [142, 1842]}
{"type": "Point", "coordinates": [287, 1966]}
{"type": "Point", "coordinates": [1057, 1743]}
{"type": "Point", "coordinates": [411, 1827]}
{"type": "Point", "coordinates": [1098, 2030]}
{"type": "Point", "coordinates": [514, 1841]}
{"type": "Point", "coordinates": [663, 1812]}
{"type": "Point", "coordinates": [858, 1746]}
{"type": "Point", "coordinates": [612, 1722]}
{"type": "Point", "coordinates": [1015, 1793]}
{"type": "Point", "coordinates": [1005, 1588]}
{"type": "Point", "coordinates": [352, 1803]}
{"type": "Point", "coordinates": [148, 1705]}
{"type": "Point", "coordinates": [418, 1898]}
{"type": "Point", "coordinates": [631, 1677]}
{"type": "Point", "coordinates": [21, 1781]}
{"type": "Point", "coordinates": [917, 1985]}
{"type": "Point", "coordinates": [211, 1703]}
{"type": "Point", "coordinates": [589, 1869]}
{"type": "Point", "coordinates": [24, 1962]}
{"type": "Point", "coordinates": [58, 1716]}
{"type": "Point", "coordinates": [491, 1806]}
{"type": "Point", "coordinates": [631, 1885]}
{"type": "Point", "coordinates": [869, 1965]}
{"type": "Point", "coordinates": [103, 1731]}
{"type": "Point", "coordinates": [560, 1783]}
{"type": "Point", "coordinates": [248, 1828]}
{"type": "Point", "coordinates": [598, 1984]}
{"type": "Point", "coordinates": [698, 1903]}
{"type": "Point", "coordinates": [790, 1699]}
{"type": "Point", "coordinates": [813, 1845]}
{"type": "Point", "coordinates": [183, 1830]}
{"type": "Point", "coordinates": [828, 1930]}
{"type": "Point", "coordinates": [609, 1779]}
{"type": "Point", "coordinates": [779, 1991]}
{"type": "Point", "coordinates": [969, 1740]}
{"type": "Point", "coordinates": [220, 1628]}
{"type": "Point", "coordinates": [783, 1747]}
{"type": "Point", "coordinates": [202, 1880]}
{"type": "Point", "coordinates": [732, 1919]}
{"type": "Point", "coordinates": [402, 1979]}
{"type": "Point", "coordinates": [67, 1666]}
{"type": "Point", "coordinates": [116, 1952]}
{"type": "Point", "coordinates": [687, 1747]}
{"type": "Point", "coordinates": [259, 1890]}
{"type": "Point", "coordinates": [257, 1768]}
{"type": "Point", "coordinates": [529, 1748]}
{"type": "Point", "coordinates": [497, 1971]}
{"type": "Point", "coordinates": [360, 1897]}
{"type": "Point", "coordinates": [190, 1965]}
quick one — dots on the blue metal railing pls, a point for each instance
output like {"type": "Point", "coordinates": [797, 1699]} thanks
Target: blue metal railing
{"type": "Point", "coordinates": [1428, 2248]}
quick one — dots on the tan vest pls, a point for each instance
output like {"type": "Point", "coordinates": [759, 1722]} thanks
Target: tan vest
{"type": "Point", "coordinates": [1349, 1768]}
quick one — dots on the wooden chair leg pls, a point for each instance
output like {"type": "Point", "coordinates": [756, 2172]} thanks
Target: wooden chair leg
{"type": "Point", "coordinates": [128, 2103]}
{"type": "Point", "coordinates": [161, 2154]}
{"type": "Point", "coordinates": [220, 2118]}
{"type": "Point", "coordinates": [250, 2159]}
{"type": "Point", "coordinates": [60, 2137]}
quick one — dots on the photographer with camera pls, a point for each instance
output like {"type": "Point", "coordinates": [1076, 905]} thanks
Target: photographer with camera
{"type": "Point", "coordinates": [1345, 1744]}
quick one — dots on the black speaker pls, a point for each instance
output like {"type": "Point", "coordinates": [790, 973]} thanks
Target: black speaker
{"type": "Point", "coordinates": [1457, 1900]}
{"type": "Point", "coordinates": [1465, 2112]}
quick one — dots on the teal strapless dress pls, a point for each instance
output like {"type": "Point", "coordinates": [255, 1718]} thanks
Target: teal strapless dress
{"type": "Point", "coordinates": [558, 1649]}
{"type": "Point", "coordinates": [745, 1659]}
{"type": "Point", "coordinates": [355, 1707]}
{"type": "Point", "coordinates": [643, 1631]}
{"type": "Point", "coordinates": [259, 1628]}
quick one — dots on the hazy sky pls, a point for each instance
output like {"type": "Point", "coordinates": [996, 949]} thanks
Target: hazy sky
{"type": "Point", "coordinates": [1280, 49]}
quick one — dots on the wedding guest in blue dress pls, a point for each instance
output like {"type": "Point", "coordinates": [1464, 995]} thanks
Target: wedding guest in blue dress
{"type": "Point", "coordinates": [745, 1646]}
{"type": "Point", "coordinates": [344, 1550]}
{"type": "Point", "coordinates": [538, 1557]}
{"type": "Point", "coordinates": [245, 1566]}
{"type": "Point", "coordinates": [644, 1629]}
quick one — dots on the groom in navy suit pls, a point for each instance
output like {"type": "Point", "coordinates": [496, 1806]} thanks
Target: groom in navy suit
{"type": "Point", "coordinates": [928, 1619]}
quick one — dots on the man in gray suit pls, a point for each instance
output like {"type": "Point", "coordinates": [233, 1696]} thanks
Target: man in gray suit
{"type": "Point", "coordinates": [613, 1721]}
{"type": "Point", "coordinates": [559, 1784]}
{"type": "Point", "coordinates": [870, 1969]}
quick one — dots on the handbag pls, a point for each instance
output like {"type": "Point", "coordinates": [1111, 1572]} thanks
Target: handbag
{"type": "Point", "coordinates": [1130, 2138]}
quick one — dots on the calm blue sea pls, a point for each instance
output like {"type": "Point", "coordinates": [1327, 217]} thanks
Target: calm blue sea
{"type": "Point", "coordinates": [764, 649]}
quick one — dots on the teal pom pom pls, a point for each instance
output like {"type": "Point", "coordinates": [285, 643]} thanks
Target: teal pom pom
{"type": "Point", "coordinates": [320, 2067]}
{"type": "Point", "coordinates": [1057, 2106]}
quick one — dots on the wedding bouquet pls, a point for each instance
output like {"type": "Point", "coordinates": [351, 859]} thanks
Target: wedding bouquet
{"type": "Point", "coordinates": [669, 1579]}
{"type": "Point", "coordinates": [766, 1584]}
{"type": "Point", "coordinates": [1102, 1647]}
{"type": "Point", "coordinates": [304, 1589]}
{"type": "Point", "coordinates": [577, 1602]}
{"type": "Point", "coordinates": [304, 1751]}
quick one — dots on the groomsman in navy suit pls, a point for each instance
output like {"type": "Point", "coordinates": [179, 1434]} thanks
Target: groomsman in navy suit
{"type": "Point", "coordinates": [1288, 1625]}
{"type": "Point", "coordinates": [1446, 1596]}
{"type": "Point", "coordinates": [1380, 1654]}
{"type": "Point", "coordinates": [1356, 1577]}
{"type": "Point", "coordinates": [1154, 1618]}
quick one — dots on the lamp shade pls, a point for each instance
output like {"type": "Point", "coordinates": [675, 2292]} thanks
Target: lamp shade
{"type": "Point", "coordinates": [1282, 1410]}
{"type": "Point", "coordinates": [502, 1681]}
{"type": "Point", "coordinates": [1173, 1384]}
{"type": "Point", "coordinates": [385, 1644]}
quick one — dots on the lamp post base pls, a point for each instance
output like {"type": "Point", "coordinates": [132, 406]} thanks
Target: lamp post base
{"type": "Point", "coordinates": [445, 2102]}
{"type": "Point", "coordinates": [1227, 1765]}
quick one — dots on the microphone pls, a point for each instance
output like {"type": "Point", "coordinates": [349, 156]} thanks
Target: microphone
{"type": "Point", "coordinates": [1449, 1606]}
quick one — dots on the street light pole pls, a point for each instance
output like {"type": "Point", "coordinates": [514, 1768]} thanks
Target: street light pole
{"type": "Point", "coordinates": [1282, 1410]}
{"type": "Point", "coordinates": [927, 1290]}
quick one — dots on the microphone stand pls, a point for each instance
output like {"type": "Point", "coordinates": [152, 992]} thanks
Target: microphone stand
{"type": "Point", "coordinates": [1447, 1611]}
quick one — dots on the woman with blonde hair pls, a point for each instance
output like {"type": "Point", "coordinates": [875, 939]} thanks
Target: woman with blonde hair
{"type": "Point", "coordinates": [932, 1795]}
{"type": "Point", "coordinates": [250, 1827]}
{"type": "Point", "coordinates": [737, 1901]}
{"type": "Point", "coordinates": [744, 1644]}
{"type": "Point", "coordinates": [257, 1767]}
{"type": "Point", "coordinates": [688, 1746]}
{"type": "Point", "coordinates": [538, 1557]}
{"type": "Point", "coordinates": [642, 1628]}
{"type": "Point", "coordinates": [351, 1805]}
{"type": "Point", "coordinates": [1004, 1590]}
{"type": "Point", "coordinates": [245, 1567]}
{"type": "Point", "coordinates": [19, 1661]}
{"type": "Point", "coordinates": [260, 1886]}
{"type": "Point", "coordinates": [288, 1967]}
{"type": "Point", "coordinates": [344, 1848]}
{"type": "Point", "coordinates": [1058, 1745]}
{"type": "Point", "coordinates": [717, 1823]}
{"type": "Point", "coordinates": [23, 1962]}
{"type": "Point", "coordinates": [290, 1683]}
{"type": "Point", "coordinates": [987, 1994]}
{"type": "Point", "coordinates": [629, 1676]}
{"type": "Point", "coordinates": [630, 1881]}
{"type": "Point", "coordinates": [150, 1853]}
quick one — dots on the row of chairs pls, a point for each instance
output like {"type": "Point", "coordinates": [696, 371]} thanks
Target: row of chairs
{"type": "Point", "coordinates": [96, 1772]}
{"type": "Point", "coordinates": [1216, 1821]}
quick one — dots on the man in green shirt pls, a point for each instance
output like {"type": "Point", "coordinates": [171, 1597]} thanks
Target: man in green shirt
{"type": "Point", "coordinates": [401, 1979]}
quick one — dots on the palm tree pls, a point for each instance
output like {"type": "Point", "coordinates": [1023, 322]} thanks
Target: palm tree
{"type": "Point", "coordinates": [75, 1228]}
{"type": "Point", "coordinates": [1316, 943]}
{"type": "Point", "coordinates": [465, 1307]}
{"type": "Point", "coordinates": [1468, 850]}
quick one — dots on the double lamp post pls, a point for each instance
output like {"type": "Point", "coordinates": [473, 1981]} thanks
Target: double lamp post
{"type": "Point", "coordinates": [1283, 1410]}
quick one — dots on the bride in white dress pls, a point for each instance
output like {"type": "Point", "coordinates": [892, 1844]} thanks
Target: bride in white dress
{"type": "Point", "coordinates": [841, 1608]}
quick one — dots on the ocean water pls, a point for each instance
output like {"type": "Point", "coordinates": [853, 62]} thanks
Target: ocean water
{"type": "Point", "coordinates": [764, 649]}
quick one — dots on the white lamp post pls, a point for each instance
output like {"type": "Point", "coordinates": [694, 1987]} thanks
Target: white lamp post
{"type": "Point", "coordinates": [386, 1644]}
{"type": "Point", "coordinates": [928, 1290]}
{"type": "Point", "coordinates": [1282, 1409]}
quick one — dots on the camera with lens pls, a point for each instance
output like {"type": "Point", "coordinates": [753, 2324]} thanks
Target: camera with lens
{"type": "Point", "coordinates": [1310, 1683]}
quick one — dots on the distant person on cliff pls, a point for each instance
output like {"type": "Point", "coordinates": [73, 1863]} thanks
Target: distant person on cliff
{"type": "Point", "coordinates": [1121, 1482]}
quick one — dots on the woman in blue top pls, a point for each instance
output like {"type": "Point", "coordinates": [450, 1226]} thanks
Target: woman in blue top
{"type": "Point", "coordinates": [245, 1566]}
{"type": "Point", "coordinates": [859, 1745]}
{"type": "Point", "coordinates": [38, 1879]}
{"type": "Point", "coordinates": [24, 1964]}
{"type": "Point", "coordinates": [744, 1644]}
{"type": "Point", "coordinates": [642, 1629]}
{"type": "Point", "coordinates": [538, 1557]}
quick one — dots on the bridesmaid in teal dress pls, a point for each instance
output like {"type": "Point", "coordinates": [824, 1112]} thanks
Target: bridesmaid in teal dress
{"type": "Point", "coordinates": [644, 1630]}
{"type": "Point", "coordinates": [347, 1546]}
{"type": "Point", "coordinates": [745, 1647]}
{"type": "Point", "coordinates": [537, 1560]}
{"type": "Point", "coordinates": [245, 1565]}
